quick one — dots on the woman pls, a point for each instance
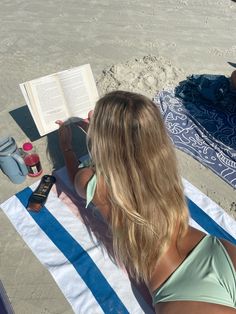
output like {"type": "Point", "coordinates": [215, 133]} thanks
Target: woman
{"type": "Point", "coordinates": [135, 183]}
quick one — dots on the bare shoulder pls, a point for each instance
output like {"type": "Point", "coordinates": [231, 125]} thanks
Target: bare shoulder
{"type": "Point", "coordinates": [231, 250]}
{"type": "Point", "coordinates": [100, 199]}
{"type": "Point", "coordinates": [81, 180]}
{"type": "Point", "coordinates": [187, 307]}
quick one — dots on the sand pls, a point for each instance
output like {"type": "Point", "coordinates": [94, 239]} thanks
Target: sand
{"type": "Point", "coordinates": [133, 45]}
{"type": "Point", "coordinates": [146, 75]}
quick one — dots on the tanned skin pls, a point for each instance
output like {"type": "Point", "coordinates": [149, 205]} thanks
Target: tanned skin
{"type": "Point", "coordinates": [171, 259]}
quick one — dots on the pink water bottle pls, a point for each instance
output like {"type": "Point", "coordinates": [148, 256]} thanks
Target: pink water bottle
{"type": "Point", "coordinates": [32, 160]}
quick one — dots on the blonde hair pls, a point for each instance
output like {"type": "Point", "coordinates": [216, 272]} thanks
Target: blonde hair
{"type": "Point", "coordinates": [133, 153]}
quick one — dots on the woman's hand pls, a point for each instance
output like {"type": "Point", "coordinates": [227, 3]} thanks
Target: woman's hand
{"type": "Point", "coordinates": [65, 133]}
{"type": "Point", "coordinates": [90, 114]}
{"type": "Point", "coordinates": [84, 123]}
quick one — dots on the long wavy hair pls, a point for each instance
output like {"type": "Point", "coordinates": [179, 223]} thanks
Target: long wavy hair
{"type": "Point", "coordinates": [132, 152]}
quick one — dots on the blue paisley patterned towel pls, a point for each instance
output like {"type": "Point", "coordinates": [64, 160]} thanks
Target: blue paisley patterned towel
{"type": "Point", "coordinates": [204, 128]}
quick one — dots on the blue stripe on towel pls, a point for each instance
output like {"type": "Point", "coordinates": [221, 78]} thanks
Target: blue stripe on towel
{"type": "Point", "coordinates": [207, 223]}
{"type": "Point", "coordinates": [79, 258]}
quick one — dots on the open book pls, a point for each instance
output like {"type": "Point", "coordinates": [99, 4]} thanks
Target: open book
{"type": "Point", "coordinates": [60, 96]}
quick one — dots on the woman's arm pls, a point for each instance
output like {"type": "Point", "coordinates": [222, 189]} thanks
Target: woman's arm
{"type": "Point", "coordinates": [71, 161]}
{"type": "Point", "coordinates": [79, 177]}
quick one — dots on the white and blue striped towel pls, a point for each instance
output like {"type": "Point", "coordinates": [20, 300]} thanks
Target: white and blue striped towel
{"type": "Point", "coordinates": [88, 278]}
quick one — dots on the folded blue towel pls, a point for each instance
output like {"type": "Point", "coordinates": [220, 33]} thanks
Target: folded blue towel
{"type": "Point", "coordinates": [212, 88]}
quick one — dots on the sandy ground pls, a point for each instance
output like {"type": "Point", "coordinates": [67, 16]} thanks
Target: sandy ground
{"type": "Point", "coordinates": [141, 45]}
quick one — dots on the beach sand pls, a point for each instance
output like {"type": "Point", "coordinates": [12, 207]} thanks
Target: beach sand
{"type": "Point", "coordinates": [132, 45]}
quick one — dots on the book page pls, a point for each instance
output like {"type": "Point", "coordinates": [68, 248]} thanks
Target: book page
{"type": "Point", "coordinates": [30, 103]}
{"type": "Point", "coordinates": [49, 101]}
{"type": "Point", "coordinates": [79, 89]}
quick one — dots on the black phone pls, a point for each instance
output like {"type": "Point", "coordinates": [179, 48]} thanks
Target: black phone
{"type": "Point", "coordinates": [38, 198]}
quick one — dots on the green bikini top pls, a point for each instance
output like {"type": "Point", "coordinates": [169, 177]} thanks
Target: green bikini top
{"type": "Point", "coordinates": [92, 183]}
{"type": "Point", "coordinates": [206, 275]}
